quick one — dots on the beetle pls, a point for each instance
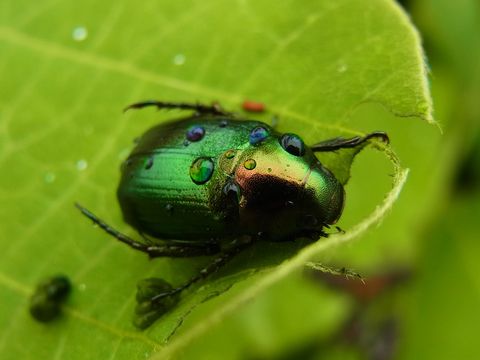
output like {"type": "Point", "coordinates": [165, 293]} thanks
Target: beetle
{"type": "Point", "coordinates": [45, 302]}
{"type": "Point", "coordinates": [214, 183]}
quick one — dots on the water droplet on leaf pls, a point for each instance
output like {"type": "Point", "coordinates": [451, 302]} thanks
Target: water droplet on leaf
{"type": "Point", "coordinates": [79, 33]}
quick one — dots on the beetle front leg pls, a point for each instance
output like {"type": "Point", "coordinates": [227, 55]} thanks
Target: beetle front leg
{"type": "Point", "coordinates": [153, 251]}
{"type": "Point", "coordinates": [214, 109]}
{"type": "Point", "coordinates": [342, 143]}
{"type": "Point", "coordinates": [155, 296]}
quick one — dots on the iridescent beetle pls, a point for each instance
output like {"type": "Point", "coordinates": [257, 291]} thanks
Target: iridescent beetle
{"type": "Point", "coordinates": [213, 183]}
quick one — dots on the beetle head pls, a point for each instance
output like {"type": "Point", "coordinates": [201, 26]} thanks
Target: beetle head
{"type": "Point", "coordinates": [285, 190]}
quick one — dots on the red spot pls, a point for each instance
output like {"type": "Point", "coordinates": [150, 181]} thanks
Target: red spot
{"type": "Point", "coordinates": [253, 106]}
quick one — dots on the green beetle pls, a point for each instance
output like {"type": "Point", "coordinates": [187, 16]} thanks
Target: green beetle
{"type": "Point", "coordinates": [213, 183]}
{"type": "Point", "coordinates": [46, 301]}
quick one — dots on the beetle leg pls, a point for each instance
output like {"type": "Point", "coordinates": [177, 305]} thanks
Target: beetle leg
{"type": "Point", "coordinates": [236, 247]}
{"type": "Point", "coordinates": [342, 143]}
{"type": "Point", "coordinates": [182, 250]}
{"type": "Point", "coordinates": [155, 296]}
{"type": "Point", "coordinates": [214, 109]}
{"type": "Point", "coordinates": [348, 273]}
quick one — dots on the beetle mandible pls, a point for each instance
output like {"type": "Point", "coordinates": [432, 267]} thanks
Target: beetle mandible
{"type": "Point", "coordinates": [213, 183]}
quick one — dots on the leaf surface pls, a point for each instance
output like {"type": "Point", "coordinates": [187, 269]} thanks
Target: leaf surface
{"type": "Point", "coordinates": [68, 68]}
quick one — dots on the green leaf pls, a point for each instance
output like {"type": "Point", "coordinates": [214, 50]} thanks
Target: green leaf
{"type": "Point", "coordinates": [326, 69]}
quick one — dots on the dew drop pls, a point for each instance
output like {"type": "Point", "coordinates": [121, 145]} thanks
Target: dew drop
{"type": "Point", "coordinates": [149, 163]}
{"type": "Point", "coordinates": [169, 208]}
{"type": "Point", "coordinates": [195, 133]}
{"type": "Point", "coordinates": [79, 33]}
{"type": "Point", "coordinates": [82, 164]}
{"type": "Point", "coordinates": [201, 170]}
{"type": "Point", "coordinates": [49, 177]}
{"type": "Point", "coordinates": [342, 68]}
{"type": "Point", "coordinates": [186, 142]}
{"type": "Point", "coordinates": [223, 123]}
{"type": "Point", "coordinates": [229, 154]}
{"type": "Point", "coordinates": [179, 59]}
{"type": "Point", "coordinates": [250, 164]}
{"type": "Point", "coordinates": [257, 135]}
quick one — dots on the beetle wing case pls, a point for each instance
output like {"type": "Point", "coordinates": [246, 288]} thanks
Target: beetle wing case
{"type": "Point", "coordinates": [213, 176]}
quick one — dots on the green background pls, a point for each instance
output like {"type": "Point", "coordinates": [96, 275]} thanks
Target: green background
{"type": "Point", "coordinates": [325, 69]}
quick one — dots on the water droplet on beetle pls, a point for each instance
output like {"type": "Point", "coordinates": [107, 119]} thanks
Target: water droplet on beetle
{"type": "Point", "coordinates": [79, 33]}
{"type": "Point", "coordinates": [201, 170]}
{"type": "Point", "coordinates": [292, 144]}
{"type": "Point", "coordinates": [82, 164]}
{"type": "Point", "coordinates": [230, 154]}
{"type": "Point", "coordinates": [195, 133]}
{"type": "Point", "coordinates": [149, 163]}
{"type": "Point", "coordinates": [250, 164]}
{"type": "Point", "coordinates": [49, 177]}
{"type": "Point", "coordinates": [257, 135]}
{"type": "Point", "coordinates": [179, 59]}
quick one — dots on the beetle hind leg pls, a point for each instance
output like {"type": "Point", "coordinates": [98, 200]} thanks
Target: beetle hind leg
{"type": "Point", "coordinates": [214, 109]}
{"type": "Point", "coordinates": [167, 250]}
{"type": "Point", "coordinates": [155, 296]}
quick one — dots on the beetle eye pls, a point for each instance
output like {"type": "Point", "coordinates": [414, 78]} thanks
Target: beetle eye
{"type": "Point", "coordinates": [293, 144]}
